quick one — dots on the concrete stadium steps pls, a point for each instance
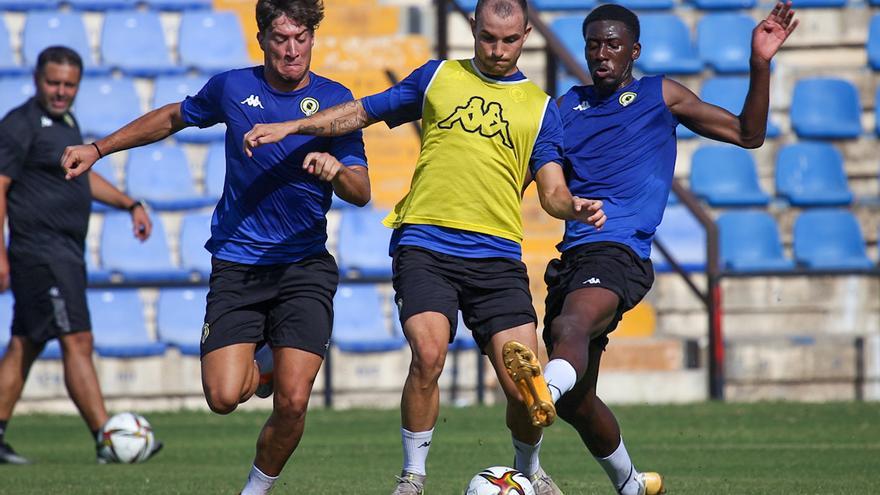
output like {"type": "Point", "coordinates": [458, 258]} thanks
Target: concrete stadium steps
{"type": "Point", "coordinates": [661, 354]}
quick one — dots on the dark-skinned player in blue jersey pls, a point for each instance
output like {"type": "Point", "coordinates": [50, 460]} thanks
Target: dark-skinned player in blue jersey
{"type": "Point", "coordinates": [620, 147]}
{"type": "Point", "coordinates": [272, 279]}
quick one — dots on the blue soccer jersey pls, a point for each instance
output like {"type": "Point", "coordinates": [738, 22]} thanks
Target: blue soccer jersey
{"type": "Point", "coordinates": [403, 103]}
{"type": "Point", "coordinates": [271, 210]}
{"type": "Point", "coordinates": [619, 149]}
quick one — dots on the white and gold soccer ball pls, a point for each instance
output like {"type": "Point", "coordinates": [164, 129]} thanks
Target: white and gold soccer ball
{"type": "Point", "coordinates": [499, 480]}
{"type": "Point", "coordinates": [126, 438]}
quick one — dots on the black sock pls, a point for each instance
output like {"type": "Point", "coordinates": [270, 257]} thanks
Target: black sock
{"type": "Point", "coordinates": [95, 435]}
{"type": "Point", "coordinates": [3, 429]}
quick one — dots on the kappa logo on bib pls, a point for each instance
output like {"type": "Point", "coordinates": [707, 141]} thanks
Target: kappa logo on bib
{"type": "Point", "coordinates": [476, 116]}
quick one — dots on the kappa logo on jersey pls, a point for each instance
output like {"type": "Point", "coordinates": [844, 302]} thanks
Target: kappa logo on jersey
{"type": "Point", "coordinates": [627, 98]}
{"type": "Point", "coordinates": [309, 106]}
{"type": "Point", "coordinates": [591, 281]}
{"type": "Point", "coordinates": [583, 106]}
{"type": "Point", "coordinates": [478, 117]}
{"type": "Point", "coordinates": [252, 100]}
{"type": "Point", "coordinates": [45, 121]}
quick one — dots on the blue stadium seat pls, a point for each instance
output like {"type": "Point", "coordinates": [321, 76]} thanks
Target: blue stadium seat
{"type": "Point", "coordinates": [568, 29]}
{"type": "Point", "coordinates": [147, 262]}
{"type": "Point", "coordinates": [804, 4]}
{"type": "Point", "coordinates": [8, 65]}
{"type": "Point", "coordinates": [101, 5]}
{"type": "Point", "coordinates": [667, 47]}
{"type": "Point", "coordinates": [729, 93]}
{"type": "Point", "coordinates": [750, 242]}
{"type": "Point", "coordinates": [682, 132]}
{"type": "Point", "coordinates": [105, 104]}
{"type": "Point", "coordinates": [173, 89]}
{"type": "Point", "coordinates": [826, 108]}
{"type": "Point", "coordinates": [25, 5]}
{"type": "Point", "coordinates": [812, 174]}
{"type": "Point", "coordinates": [725, 41]}
{"type": "Point", "coordinates": [105, 169]}
{"type": "Point", "coordinates": [830, 239]}
{"type": "Point", "coordinates": [52, 350]}
{"type": "Point", "coordinates": [211, 41]}
{"type": "Point", "coordinates": [645, 4]}
{"type": "Point", "coordinates": [725, 175]}
{"type": "Point", "coordinates": [179, 4]}
{"type": "Point", "coordinates": [180, 314]}
{"type": "Point", "coordinates": [159, 173]}
{"type": "Point", "coordinates": [134, 43]}
{"type": "Point", "coordinates": [723, 4]}
{"type": "Point", "coordinates": [118, 324]}
{"type": "Point", "coordinates": [564, 82]}
{"type": "Point", "coordinates": [684, 237]}
{"type": "Point", "coordinates": [562, 5]}
{"type": "Point", "coordinates": [14, 91]}
{"type": "Point", "coordinates": [195, 230]}
{"type": "Point", "coordinates": [363, 244]}
{"type": "Point", "coordinates": [43, 29]}
{"type": "Point", "coordinates": [215, 170]}
{"type": "Point", "coordinates": [359, 324]}
{"type": "Point", "coordinates": [873, 45]}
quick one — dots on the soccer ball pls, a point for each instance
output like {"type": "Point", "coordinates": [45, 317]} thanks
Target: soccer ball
{"type": "Point", "coordinates": [499, 480]}
{"type": "Point", "coordinates": [125, 438]}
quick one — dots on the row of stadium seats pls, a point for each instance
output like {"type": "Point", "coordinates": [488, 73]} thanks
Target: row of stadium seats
{"type": "Point", "coordinates": [823, 239]}
{"type": "Point", "coordinates": [25, 5]}
{"type": "Point", "coordinates": [584, 5]}
{"type": "Point", "coordinates": [132, 42]}
{"type": "Point", "coordinates": [361, 323]}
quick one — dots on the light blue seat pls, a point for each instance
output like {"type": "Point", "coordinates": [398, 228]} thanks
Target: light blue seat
{"type": "Point", "coordinates": [667, 47]}
{"type": "Point", "coordinates": [873, 45]}
{"type": "Point", "coordinates": [723, 4]}
{"type": "Point", "coordinates": [8, 65]}
{"type": "Point", "coordinates": [44, 29]}
{"type": "Point", "coordinates": [725, 41]}
{"type": "Point", "coordinates": [826, 108]}
{"type": "Point", "coordinates": [363, 244]}
{"type": "Point", "coordinates": [174, 89]}
{"type": "Point", "coordinates": [646, 4]}
{"type": "Point", "coordinates": [812, 174]}
{"type": "Point", "coordinates": [195, 230]}
{"type": "Point", "coordinates": [211, 42]}
{"type": "Point", "coordinates": [804, 4]}
{"type": "Point", "coordinates": [750, 242]}
{"type": "Point", "coordinates": [180, 315]}
{"type": "Point", "coordinates": [134, 43]}
{"type": "Point", "coordinates": [729, 93]}
{"type": "Point", "coordinates": [830, 239]}
{"type": "Point", "coordinates": [101, 5]}
{"type": "Point", "coordinates": [215, 170]}
{"type": "Point", "coordinates": [359, 323]}
{"type": "Point", "coordinates": [26, 5]}
{"type": "Point", "coordinates": [725, 176]}
{"type": "Point", "coordinates": [118, 325]}
{"type": "Point", "coordinates": [159, 173]}
{"type": "Point", "coordinates": [179, 4]}
{"type": "Point", "coordinates": [105, 104]}
{"type": "Point", "coordinates": [685, 239]}
{"type": "Point", "coordinates": [562, 5]}
{"type": "Point", "coordinates": [14, 91]}
{"type": "Point", "coordinates": [134, 261]}
{"type": "Point", "coordinates": [568, 29]}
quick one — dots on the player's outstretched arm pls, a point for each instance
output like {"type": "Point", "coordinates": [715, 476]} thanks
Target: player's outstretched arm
{"type": "Point", "coordinates": [747, 129]}
{"type": "Point", "coordinates": [148, 128]}
{"type": "Point", "coordinates": [335, 121]}
{"type": "Point", "coordinates": [557, 200]}
{"type": "Point", "coordinates": [352, 184]}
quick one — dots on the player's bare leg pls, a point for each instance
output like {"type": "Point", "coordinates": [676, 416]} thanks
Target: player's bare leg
{"type": "Point", "coordinates": [428, 337]}
{"type": "Point", "coordinates": [14, 368]}
{"type": "Point", "coordinates": [81, 379]}
{"type": "Point", "coordinates": [229, 377]}
{"type": "Point", "coordinates": [526, 436]}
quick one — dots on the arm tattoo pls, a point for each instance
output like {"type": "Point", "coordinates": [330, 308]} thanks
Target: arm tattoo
{"type": "Point", "coordinates": [311, 130]}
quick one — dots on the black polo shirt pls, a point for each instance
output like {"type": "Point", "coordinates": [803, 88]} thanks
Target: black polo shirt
{"type": "Point", "coordinates": [48, 215]}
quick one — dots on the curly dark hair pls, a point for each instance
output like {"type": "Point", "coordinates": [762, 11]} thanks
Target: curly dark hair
{"type": "Point", "coordinates": [309, 13]}
{"type": "Point", "coordinates": [614, 12]}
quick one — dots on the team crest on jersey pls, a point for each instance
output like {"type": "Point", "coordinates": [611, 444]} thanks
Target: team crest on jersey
{"type": "Point", "coordinates": [309, 106]}
{"type": "Point", "coordinates": [477, 116]}
{"type": "Point", "coordinates": [518, 94]}
{"type": "Point", "coordinates": [627, 98]}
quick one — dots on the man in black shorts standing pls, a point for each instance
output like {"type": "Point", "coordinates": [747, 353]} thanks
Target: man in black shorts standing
{"type": "Point", "coordinates": [48, 220]}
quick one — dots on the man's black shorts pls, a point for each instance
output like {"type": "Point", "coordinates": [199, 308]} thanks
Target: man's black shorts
{"type": "Point", "coordinates": [609, 265]}
{"type": "Point", "coordinates": [492, 293]}
{"type": "Point", "coordinates": [284, 305]}
{"type": "Point", "coordinates": [50, 300]}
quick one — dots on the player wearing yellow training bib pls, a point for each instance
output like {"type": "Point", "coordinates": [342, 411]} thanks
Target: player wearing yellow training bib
{"type": "Point", "coordinates": [457, 233]}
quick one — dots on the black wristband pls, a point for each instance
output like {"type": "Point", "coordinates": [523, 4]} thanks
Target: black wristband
{"type": "Point", "coordinates": [100, 155]}
{"type": "Point", "coordinates": [137, 203]}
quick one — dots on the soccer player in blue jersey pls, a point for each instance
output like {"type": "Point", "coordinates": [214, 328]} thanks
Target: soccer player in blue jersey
{"type": "Point", "coordinates": [272, 279]}
{"type": "Point", "coordinates": [457, 233]}
{"type": "Point", "coordinates": [620, 147]}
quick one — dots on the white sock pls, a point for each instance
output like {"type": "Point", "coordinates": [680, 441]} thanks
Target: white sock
{"type": "Point", "coordinates": [560, 376]}
{"type": "Point", "coordinates": [525, 459]}
{"type": "Point", "coordinates": [415, 449]}
{"type": "Point", "coordinates": [258, 483]}
{"type": "Point", "coordinates": [621, 471]}
{"type": "Point", "coordinates": [264, 359]}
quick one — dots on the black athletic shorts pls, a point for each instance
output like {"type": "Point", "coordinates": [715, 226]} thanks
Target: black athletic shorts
{"type": "Point", "coordinates": [609, 265]}
{"type": "Point", "coordinates": [284, 305]}
{"type": "Point", "coordinates": [492, 293]}
{"type": "Point", "coordinates": [50, 300]}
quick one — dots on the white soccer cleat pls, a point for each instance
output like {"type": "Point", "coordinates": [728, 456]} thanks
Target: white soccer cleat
{"type": "Point", "coordinates": [650, 484]}
{"type": "Point", "coordinates": [409, 484]}
{"type": "Point", "coordinates": [543, 484]}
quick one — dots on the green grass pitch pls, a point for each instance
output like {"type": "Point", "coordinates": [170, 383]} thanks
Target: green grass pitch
{"type": "Point", "coordinates": [712, 448]}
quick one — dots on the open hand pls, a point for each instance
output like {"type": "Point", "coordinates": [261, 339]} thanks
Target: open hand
{"type": "Point", "coordinates": [589, 211]}
{"type": "Point", "coordinates": [771, 33]}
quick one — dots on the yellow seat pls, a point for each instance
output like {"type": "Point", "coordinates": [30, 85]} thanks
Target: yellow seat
{"type": "Point", "coordinates": [640, 321]}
